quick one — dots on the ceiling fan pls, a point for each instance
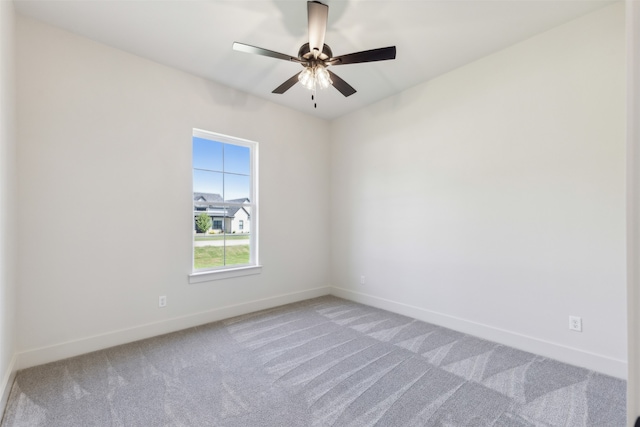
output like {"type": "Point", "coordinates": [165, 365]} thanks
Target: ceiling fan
{"type": "Point", "coordinates": [316, 56]}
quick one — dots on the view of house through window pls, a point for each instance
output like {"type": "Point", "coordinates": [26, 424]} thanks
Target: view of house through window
{"type": "Point", "coordinates": [224, 210]}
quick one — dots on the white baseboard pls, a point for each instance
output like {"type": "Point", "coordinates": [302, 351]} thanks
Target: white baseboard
{"type": "Point", "coordinates": [7, 383]}
{"type": "Point", "coordinates": [570, 355]}
{"type": "Point", "coordinates": [42, 355]}
{"type": "Point", "coordinates": [38, 356]}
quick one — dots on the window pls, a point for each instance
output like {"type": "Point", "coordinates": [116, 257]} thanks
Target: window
{"type": "Point", "coordinates": [224, 201]}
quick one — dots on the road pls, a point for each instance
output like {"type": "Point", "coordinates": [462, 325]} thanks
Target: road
{"type": "Point", "coordinates": [230, 242]}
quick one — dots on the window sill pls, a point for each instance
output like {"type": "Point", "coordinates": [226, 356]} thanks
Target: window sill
{"type": "Point", "coordinates": [207, 276]}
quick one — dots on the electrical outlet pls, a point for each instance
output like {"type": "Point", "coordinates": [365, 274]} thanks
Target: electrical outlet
{"type": "Point", "coordinates": [362, 280]}
{"type": "Point", "coordinates": [575, 323]}
{"type": "Point", "coordinates": [162, 301]}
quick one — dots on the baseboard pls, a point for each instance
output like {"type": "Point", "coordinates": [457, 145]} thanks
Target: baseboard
{"type": "Point", "coordinates": [595, 362]}
{"type": "Point", "coordinates": [7, 383]}
{"type": "Point", "coordinates": [39, 356]}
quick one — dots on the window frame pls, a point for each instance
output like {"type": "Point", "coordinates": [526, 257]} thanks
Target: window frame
{"type": "Point", "coordinates": [253, 267]}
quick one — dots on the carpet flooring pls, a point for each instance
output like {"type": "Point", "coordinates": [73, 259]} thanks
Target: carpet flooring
{"type": "Point", "coordinates": [321, 362]}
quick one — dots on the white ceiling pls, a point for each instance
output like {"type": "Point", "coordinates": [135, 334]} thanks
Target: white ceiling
{"type": "Point", "coordinates": [432, 37]}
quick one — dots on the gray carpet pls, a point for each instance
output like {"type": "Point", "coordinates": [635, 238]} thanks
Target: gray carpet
{"type": "Point", "coordinates": [322, 362]}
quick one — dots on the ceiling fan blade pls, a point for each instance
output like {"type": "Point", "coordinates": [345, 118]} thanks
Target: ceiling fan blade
{"type": "Point", "coordinates": [342, 86]}
{"type": "Point", "coordinates": [241, 47]}
{"type": "Point", "coordinates": [317, 14]}
{"type": "Point", "coordinates": [381, 54]}
{"type": "Point", "coordinates": [286, 85]}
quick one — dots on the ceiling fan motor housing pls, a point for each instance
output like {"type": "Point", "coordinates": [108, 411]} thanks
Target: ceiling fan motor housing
{"type": "Point", "coordinates": [305, 53]}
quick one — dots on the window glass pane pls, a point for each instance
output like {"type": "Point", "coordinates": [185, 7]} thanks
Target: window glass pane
{"type": "Point", "coordinates": [237, 159]}
{"type": "Point", "coordinates": [221, 236]}
{"type": "Point", "coordinates": [236, 187]}
{"type": "Point", "coordinates": [209, 238]}
{"type": "Point", "coordinates": [237, 247]}
{"type": "Point", "coordinates": [207, 154]}
{"type": "Point", "coordinates": [208, 183]}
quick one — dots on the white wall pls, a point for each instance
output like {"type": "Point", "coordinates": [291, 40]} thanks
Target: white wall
{"type": "Point", "coordinates": [7, 200]}
{"type": "Point", "coordinates": [105, 203]}
{"type": "Point", "coordinates": [513, 170]}
{"type": "Point", "coordinates": [633, 208]}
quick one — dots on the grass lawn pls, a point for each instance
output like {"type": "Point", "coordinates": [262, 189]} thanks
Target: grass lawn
{"type": "Point", "coordinates": [222, 236]}
{"type": "Point", "coordinates": [212, 256]}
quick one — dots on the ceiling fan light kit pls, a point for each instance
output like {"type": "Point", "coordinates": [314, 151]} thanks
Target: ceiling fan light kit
{"type": "Point", "coordinates": [315, 76]}
{"type": "Point", "coordinates": [316, 56]}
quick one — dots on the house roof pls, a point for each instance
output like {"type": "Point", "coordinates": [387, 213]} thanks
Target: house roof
{"type": "Point", "coordinates": [207, 197]}
{"type": "Point", "coordinates": [231, 211]}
